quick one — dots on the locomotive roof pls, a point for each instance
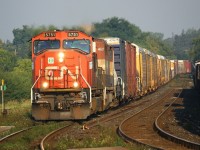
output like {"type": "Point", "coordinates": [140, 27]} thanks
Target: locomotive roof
{"type": "Point", "coordinates": [49, 31]}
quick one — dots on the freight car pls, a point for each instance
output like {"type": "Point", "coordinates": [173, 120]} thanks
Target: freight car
{"type": "Point", "coordinates": [76, 75]}
{"type": "Point", "coordinates": [184, 66]}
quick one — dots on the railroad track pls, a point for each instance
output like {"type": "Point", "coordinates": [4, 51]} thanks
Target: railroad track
{"type": "Point", "coordinates": [53, 134]}
{"type": "Point", "coordinates": [159, 127]}
{"type": "Point", "coordinates": [140, 127]}
{"type": "Point", "coordinates": [12, 135]}
{"type": "Point", "coordinates": [126, 110]}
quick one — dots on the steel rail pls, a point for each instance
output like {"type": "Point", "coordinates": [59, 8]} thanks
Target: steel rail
{"type": "Point", "coordinates": [128, 138]}
{"type": "Point", "coordinates": [13, 134]}
{"type": "Point", "coordinates": [50, 134]}
{"type": "Point", "coordinates": [172, 137]}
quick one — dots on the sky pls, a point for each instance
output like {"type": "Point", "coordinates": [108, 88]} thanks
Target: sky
{"type": "Point", "coordinates": [163, 16]}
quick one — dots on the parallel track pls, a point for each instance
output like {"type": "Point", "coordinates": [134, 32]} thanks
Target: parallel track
{"type": "Point", "coordinates": [14, 134]}
{"type": "Point", "coordinates": [171, 137]}
{"type": "Point", "coordinates": [133, 130]}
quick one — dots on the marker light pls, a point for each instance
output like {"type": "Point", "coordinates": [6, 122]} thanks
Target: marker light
{"type": "Point", "coordinates": [75, 84]}
{"type": "Point", "coordinates": [45, 84]}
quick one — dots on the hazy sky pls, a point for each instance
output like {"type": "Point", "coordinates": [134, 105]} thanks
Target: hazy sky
{"type": "Point", "coordinates": [164, 16]}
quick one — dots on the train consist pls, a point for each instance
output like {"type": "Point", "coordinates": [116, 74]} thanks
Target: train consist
{"type": "Point", "coordinates": [76, 75]}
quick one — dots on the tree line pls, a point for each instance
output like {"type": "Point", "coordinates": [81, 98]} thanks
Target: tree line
{"type": "Point", "coordinates": [15, 56]}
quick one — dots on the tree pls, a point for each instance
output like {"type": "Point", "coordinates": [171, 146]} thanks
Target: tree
{"type": "Point", "coordinates": [116, 27]}
{"type": "Point", "coordinates": [20, 41]}
{"type": "Point", "coordinates": [7, 60]}
{"type": "Point", "coordinates": [24, 35]}
{"type": "Point", "coordinates": [182, 44]}
{"type": "Point", "coordinates": [196, 49]}
{"type": "Point", "coordinates": [18, 81]}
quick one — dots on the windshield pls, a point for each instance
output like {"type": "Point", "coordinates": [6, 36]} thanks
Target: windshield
{"type": "Point", "coordinates": [46, 44]}
{"type": "Point", "coordinates": [83, 45]}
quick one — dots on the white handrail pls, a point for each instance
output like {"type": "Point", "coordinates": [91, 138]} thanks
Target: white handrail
{"type": "Point", "coordinates": [33, 86]}
{"type": "Point", "coordinates": [87, 85]}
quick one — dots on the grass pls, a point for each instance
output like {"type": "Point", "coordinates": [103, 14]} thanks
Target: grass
{"type": "Point", "coordinates": [107, 138]}
{"type": "Point", "coordinates": [19, 116]}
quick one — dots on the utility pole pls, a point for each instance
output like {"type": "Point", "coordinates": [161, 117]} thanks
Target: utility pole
{"type": "Point", "coordinates": [3, 88]}
{"type": "Point", "coordinates": [2, 96]}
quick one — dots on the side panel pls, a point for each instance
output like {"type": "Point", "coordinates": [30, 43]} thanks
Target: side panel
{"type": "Point", "coordinates": [105, 61]}
{"type": "Point", "coordinates": [148, 70]}
{"type": "Point", "coordinates": [137, 69]}
{"type": "Point", "coordinates": [175, 67]}
{"type": "Point", "coordinates": [172, 68]}
{"type": "Point", "coordinates": [180, 66]}
{"type": "Point", "coordinates": [188, 66]}
{"type": "Point", "coordinates": [154, 73]}
{"type": "Point", "coordinates": [119, 62]}
{"type": "Point", "coordinates": [144, 72]}
{"type": "Point", "coordinates": [158, 71]}
{"type": "Point", "coordinates": [130, 70]}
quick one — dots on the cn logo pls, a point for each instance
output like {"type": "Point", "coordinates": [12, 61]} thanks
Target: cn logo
{"type": "Point", "coordinates": [49, 72]}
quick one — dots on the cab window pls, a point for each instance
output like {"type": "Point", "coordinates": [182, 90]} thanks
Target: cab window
{"type": "Point", "coordinates": [40, 45]}
{"type": "Point", "coordinates": [83, 45]}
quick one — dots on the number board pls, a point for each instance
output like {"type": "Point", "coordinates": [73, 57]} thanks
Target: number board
{"type": "Point", "coordinates": [50, 60]}
{"type": "Point", "coordinates": [50, 34]}
{"type": "Point", "coordinates": [73, 34]}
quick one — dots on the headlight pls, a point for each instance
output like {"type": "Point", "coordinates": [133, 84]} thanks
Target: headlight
{"type": "Point", "coordinates": [75, 84]}
{"type": "Point", "coordinates": [61, 57]}
{"type": "Point", "coordinates": [45, 84]}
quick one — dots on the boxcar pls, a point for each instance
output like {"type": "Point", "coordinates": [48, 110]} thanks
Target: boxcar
{"type": "Point", "coordinates": [119, 64]}
{"type": "Point", "coordinates": [162, 67]}
{"type": "Point", "coordinates": [181, 67]}
{"type": "Point", "coordinates": [130, 70]}
{"type": "Point", "coordinates": [138, 73]}
{"type": "Point", "coordinates": [175, 67]}
{"type": "Point", "coordinates": [188, 66]}
{"type": "Point", "coordinates": [154, 81]}
{"type": "Point", "coordinates": [143, 72]}
{"type": "Point", "coordinates": [148, 68]}
{"type": "Point", "coordinates": [168, 71]}
{"type": "Point", "coordinates": [172, 68]}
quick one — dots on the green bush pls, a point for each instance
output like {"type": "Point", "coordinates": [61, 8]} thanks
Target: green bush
{"type": "Point", "coordinates": [18, 81]}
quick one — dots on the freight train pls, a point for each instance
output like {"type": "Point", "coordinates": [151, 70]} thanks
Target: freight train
{"type": "Point", "coordinates": [76, 75]}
